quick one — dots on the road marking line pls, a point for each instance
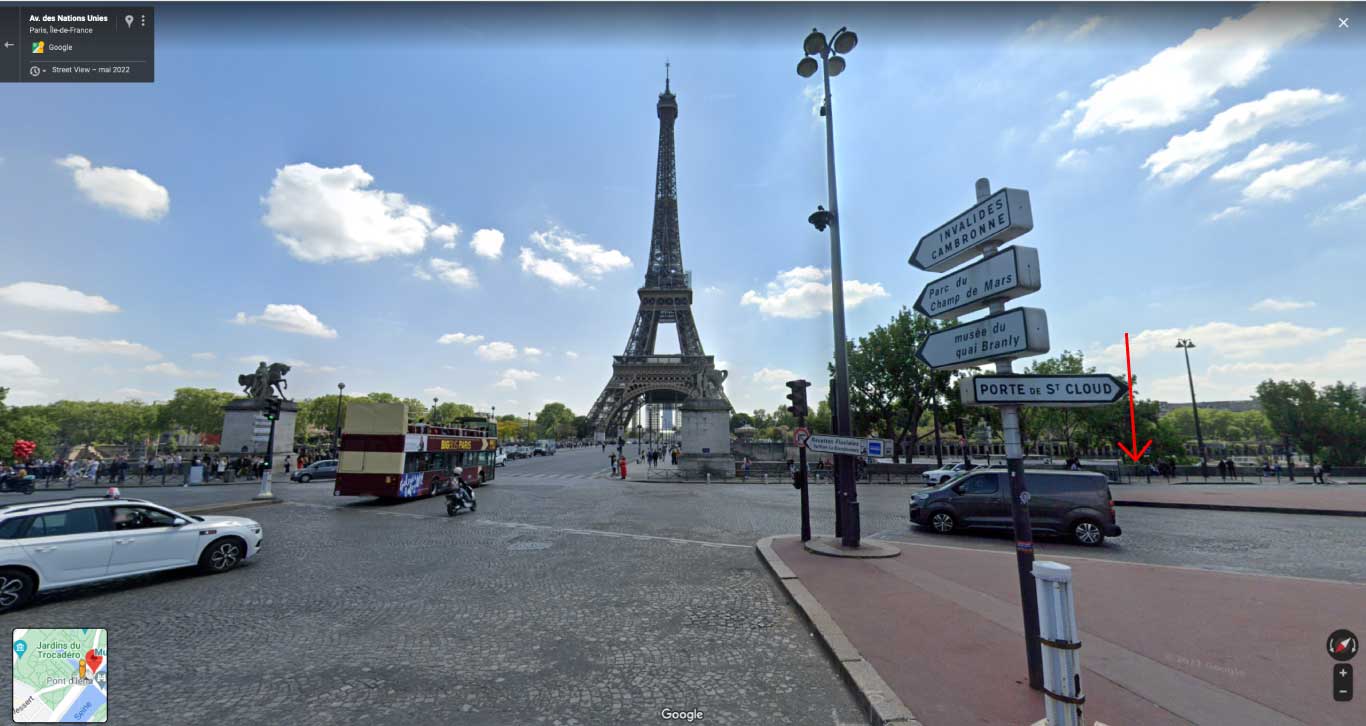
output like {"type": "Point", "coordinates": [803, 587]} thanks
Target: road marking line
{"type": "Point", "coordinates": [1039, 555]}
{"type": "Point", "coordinates": [605, 533]}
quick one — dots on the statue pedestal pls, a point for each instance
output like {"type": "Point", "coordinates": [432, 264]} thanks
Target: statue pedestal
{"type": "Point", "coordinates": [246, 430]}
{"type": "Point", "coordinates": [706, 439]}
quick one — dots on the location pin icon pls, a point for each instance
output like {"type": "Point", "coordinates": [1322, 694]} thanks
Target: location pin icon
{"type": "Point", "coordinates": [20, 647]}
{"type": "Point", "coordinates": [128, 19]}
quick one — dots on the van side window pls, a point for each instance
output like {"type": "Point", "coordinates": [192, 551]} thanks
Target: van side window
{"type": "Point", "coordinates": [980, 484]}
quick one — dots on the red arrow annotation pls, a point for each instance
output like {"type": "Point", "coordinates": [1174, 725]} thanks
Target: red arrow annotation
{"type": "Point", "coordinates": [1133, 423]}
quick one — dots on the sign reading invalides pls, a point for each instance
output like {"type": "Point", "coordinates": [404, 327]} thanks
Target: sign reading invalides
{"type": "Point", "coordinates": [1000, 217]}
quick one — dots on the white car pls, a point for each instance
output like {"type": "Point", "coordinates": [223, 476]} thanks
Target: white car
{"type": "Point", "coordinates": [934, 477]}
{"type": "Point", "coordinates": [63, 542]}
{"type": "Point", "coordinates": [500, 457]}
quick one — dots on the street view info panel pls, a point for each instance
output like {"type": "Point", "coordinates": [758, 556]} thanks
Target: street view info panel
{"type": "Point", "coordinates": [626, 363]}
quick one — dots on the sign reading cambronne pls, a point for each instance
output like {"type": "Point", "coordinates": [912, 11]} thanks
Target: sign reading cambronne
{"type": "Point", "coordinates": [1000, 217]}
{"type": "Point", "coordinates": [1006, 275]}
{"type": "Point", "coordinates": [1091, 389]}
{"type": "Point", "coordinates": [1014, 333]}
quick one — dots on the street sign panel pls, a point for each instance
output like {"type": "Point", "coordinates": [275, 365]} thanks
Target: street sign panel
{"type": "Point", "coordinates": [874, 447]}
{"type": "Point", "coordinates": [843, 445]}
{"type": "Point", "coordinates": [1006, 275]}
{"type": "Point", "coordinates": [1092, 389]}
{"type": "Point", "coordinates": [1000, 217]}
{"type": "Point", "coordinates": [1017, 333]}
{"type": "Point", "coordinates": [800, 436]}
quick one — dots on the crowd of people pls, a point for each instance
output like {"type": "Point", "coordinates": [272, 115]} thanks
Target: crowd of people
{"type": "Point", "coordinates": [116, 470]}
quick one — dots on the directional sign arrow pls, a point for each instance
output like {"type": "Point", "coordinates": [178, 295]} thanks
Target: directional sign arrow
{"type": "Point", "coordinates": [1092, 389]}
{"type": "Point", "coordinates": [1000, 217]}
{"type": "Point", "coordinates": [1017, 333]}
{"type": "Point", "coordinates": [1006, 275]}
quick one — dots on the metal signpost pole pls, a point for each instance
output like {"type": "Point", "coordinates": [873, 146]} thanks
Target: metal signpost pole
{"type": "Point", "coordinates": [1019, 510]}
{"type": "Point", "coordinates": [266, 493]}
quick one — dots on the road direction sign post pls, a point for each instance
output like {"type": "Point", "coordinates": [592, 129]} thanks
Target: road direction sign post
{"type": "Point", "coordinates": [1092, 389]}
{"type": "Point", "coordinates": [1006, 275]}
{"type": "Point", "coordinates": [849, 445]}
{"type": "Point", "coordinates": [995, 219]}
{"type": "Point", "coordinates": [1016, 333]}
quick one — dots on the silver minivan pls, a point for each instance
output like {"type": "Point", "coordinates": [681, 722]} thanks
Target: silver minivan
{"type": "Point", "coordinates": [1076, 504]}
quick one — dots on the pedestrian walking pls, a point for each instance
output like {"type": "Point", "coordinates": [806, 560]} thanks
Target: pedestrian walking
{"type": "Point", "coordinates": [1318, 473]}
{"type": "Point", "coordinates": [744, 476]}
{"type": "Point", "coordinates": [622, 463]}
{"type": "Point", "coordinates": [286, 465]}
{"type": "Point", "coordinates": [612, 463]}
{"type": "Point", "coordinates": [1232, 470]}
{"type": "Point", "coordinates": [95, 470]}
{"type": "Point", "coordinates": [1223, 469]}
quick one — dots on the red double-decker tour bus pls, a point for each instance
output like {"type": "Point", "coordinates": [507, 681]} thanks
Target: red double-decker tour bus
{"type": "Point", "coordinates": [382, 455]}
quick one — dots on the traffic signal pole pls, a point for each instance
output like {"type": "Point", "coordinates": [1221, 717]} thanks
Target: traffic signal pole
{"type": "Point", "coordinates": [273, 413]}
{"type": "Point", "coordinates": [799, 410]}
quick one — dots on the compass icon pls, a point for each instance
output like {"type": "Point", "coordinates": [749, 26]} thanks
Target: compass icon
{"type": "Point", "coordinates": [1343, 645]}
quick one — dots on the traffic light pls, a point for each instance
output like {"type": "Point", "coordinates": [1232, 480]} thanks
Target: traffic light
{"type": "Point", "coordinates": [798, 398]}
{"type": "Point", "coordinates": [273, 409]}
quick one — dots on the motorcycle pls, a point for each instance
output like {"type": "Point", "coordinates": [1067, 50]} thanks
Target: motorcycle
{"type": "Point", "coordinates": [460, 497]}
{"type": "Point", "coordinates": [12, 483]}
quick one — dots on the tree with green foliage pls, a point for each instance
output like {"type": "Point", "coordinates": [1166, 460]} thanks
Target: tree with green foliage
{"type": "Point", "coordinates": [198, 410]}
{"type": "Point", "coordinates": [555, 421]}
{"type": "Point", "coordinates": [451, 412]}
{"type": "Point", "coordinates": [1297, 414]}
{"type": "Point", "coordinates": [1345, 429]}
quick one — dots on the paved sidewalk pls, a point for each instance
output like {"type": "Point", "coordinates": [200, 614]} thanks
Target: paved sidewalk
{"type": "Point", "coordinates": [1287, 498]}
{"type": "Point", "coordinates": [941, 625]}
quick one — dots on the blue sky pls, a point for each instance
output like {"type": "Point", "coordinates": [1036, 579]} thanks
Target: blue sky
{"type": "Point", "coordinates": [309, 184]}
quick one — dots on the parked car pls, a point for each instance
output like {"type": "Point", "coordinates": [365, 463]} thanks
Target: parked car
{"type": "Point", "coordinates": [325, 469]}
{"type": "Point", "coordinates": [59, 543]}
{"type": "Point", "coordinates": [1076, 504]}
{"type": "Point", "coordinates": [500, 457]}
{"type": "Point", "coordinates": [935, 477]}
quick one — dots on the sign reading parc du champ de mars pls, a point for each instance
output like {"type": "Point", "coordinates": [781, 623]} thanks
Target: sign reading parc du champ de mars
{"type": "Point", "coordinates": [1013, 272]}
{"type": "Point", "coordinates": [999, 218]}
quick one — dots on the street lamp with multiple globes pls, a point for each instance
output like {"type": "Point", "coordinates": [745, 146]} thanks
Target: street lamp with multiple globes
{"type": "Point", "coordinates": [336, 436]}
{"type": "Point", "coordinates": [1186, 345]}
{"type": "Point", "coordinates": [831, 53]}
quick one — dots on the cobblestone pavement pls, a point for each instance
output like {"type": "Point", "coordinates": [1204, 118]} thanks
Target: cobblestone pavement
{"type": "Point", "coordinates": [568, 598]}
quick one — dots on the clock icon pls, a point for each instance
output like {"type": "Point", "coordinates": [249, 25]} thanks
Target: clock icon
{"type": "Point", "coordinates": [1343, 645]}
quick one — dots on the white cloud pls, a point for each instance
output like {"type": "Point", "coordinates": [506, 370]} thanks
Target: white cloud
{"type": "Point", "coordinates": [487, 243]}
{"type": "Point", "coordinates": [136, 394]}
{"type": "Point", "coordinates": [1227, 212]}
{"type": "Point", "coordinates": [512, 376]}
{"type": "Point", "coordinates": [127, 191]}
{"type": "Point", "coordinates": [814, 95]}
{"type": "Point", "coordinates": [532, 352]}
{"type": "Point", "coordinates": [497, 350]}
{"type": "Point", "coordinates": [1087, 26]}
{"type": "Point", "coordinates": [803, 292]}
{"type": "Point", "coordinates": [203, 356]}
{"type": "Point", "coordinates": [463, 338]}
{"type": "Point", "coordinates": [72, 344]}
{"type": "Point", "coordinates": [588, 259]}
{"type": "Point", "coordinates": [712, 290]}
{"type": "Point", "coordinates": [1283, 183]}
{"type": "Point", "coordinates": [1352, 205]}
{"type": "Point", "coordinates": [290, 319]}
{"type": "Point", "coordinates": [773, 377]}
{"type": "Point", "coordinates": [1073, 159]}
{"type": "Point", "coordinates": [1184, 79]}
{"type": "Point", "coordinates": [453, 272]}
{"type": "Point", "coordinates": [54, 297]}
{"type": "Point", "coordinates": [1323, 365]}
{"type": "Point", "coordinates": [570, 354]}
{"type": "Point", "coordinates": [440, 392]}
{"type": "Point", "coordinates": [548, 269]}
{"type": "Point", "coordinates": [1188, 154]}
{"type": "Point", "coordinates": [322, 214]}
{"type": "Point", "coordinates": [1262, 157]}
{"type": "Point", "coordinates": [170, 369]}
{"type": "Point", "coordinates": [1276, 305]}
{"type": "Point", "coordinates": [446, 233]}
{"type": "Point", "coordinates": [15, 366]}
{"type": "Point", "coordinates": [1218, 339]}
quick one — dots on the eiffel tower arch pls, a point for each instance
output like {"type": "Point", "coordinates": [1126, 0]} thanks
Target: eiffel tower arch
{"type": "Point", "coordinates": [639, 375]}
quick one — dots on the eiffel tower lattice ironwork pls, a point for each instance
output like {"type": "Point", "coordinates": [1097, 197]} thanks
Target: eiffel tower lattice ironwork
{"type": "Point", "coordinates": [640, 376]}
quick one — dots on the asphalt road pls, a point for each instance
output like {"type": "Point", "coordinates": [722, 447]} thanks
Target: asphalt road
{"type": "Point", "coordinates": [568, 597]}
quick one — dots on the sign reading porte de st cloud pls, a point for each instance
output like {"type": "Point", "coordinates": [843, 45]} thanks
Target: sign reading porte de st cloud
{"type": "Point", "coordinates": [1017, 333]}
{"type": "Point", "coordinates": [1001, 217]}
{"type": "Point", "coordinates": [1065, 391]}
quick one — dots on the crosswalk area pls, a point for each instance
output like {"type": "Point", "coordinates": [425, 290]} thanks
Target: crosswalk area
{"type": "Point", "coordinates": [551, 476]}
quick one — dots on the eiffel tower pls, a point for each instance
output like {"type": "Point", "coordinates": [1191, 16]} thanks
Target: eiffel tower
{"type": "Point", "coordinates": [639, 376]}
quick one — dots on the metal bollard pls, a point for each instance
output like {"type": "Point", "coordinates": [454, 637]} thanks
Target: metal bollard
{"type": "Point", "coordinates": [708, 477]}
{"type": "Point", "coordinates": [1058, 639]}
{"type": "Point", "coordinates": [765, 477]}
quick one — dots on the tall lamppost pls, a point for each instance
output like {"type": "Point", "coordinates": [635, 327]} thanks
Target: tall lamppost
{"type": "Point", "coordinates": [431, 418]}
{"type": "Point", "coordinates": [831, 53]}
{"type": "Point", "coordinates": [336, 436]}
{"type": "Point", "coordinates": [1186, 346]}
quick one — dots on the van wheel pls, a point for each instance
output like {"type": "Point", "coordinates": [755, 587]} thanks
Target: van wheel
{"type": "Point", "coordinates": [16, 589]}
{"type": "Point", "coordinates": [942, 522]}
{"type": "Point", "coordinates": [1087, 532]}
{"type": "Point", "coordinates": [222, 555]}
